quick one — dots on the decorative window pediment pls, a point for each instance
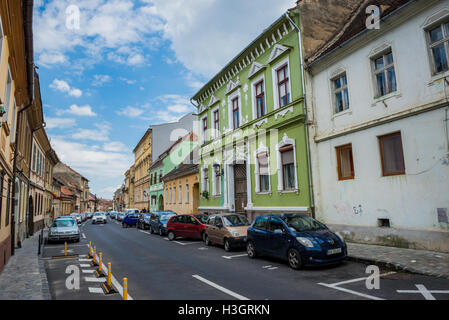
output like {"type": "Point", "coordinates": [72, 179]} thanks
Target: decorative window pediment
{"type": "Point", "coordinates": [255, 68]}
{"type": "Point", "coordinates": [213, 100]}
{"type": "Point", "coordinates": [277, 51]}
{"type": "Point", "coordinates": [203, 108]}
{"type": "Point", "coordinates": [232, 86]}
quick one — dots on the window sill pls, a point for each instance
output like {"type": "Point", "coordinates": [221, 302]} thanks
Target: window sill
{"type": "Point", "coordinates": [341, 113]}
{"type": "Point", "coordinates": [396, 94]}
{"type": "Point", "coordinates": [288, 191]}
{"type": "Point", "coordinates": [216, 196]}
{"type": "Point", "coordinates": [436, 77]}
{"type": "Point", "coordinates": [262, 193]}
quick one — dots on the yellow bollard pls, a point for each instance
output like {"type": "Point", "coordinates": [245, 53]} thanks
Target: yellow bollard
{"type": "Point", "coordinates": [100, 263]}
{"type": "Point", "coordinates": [109, 274]}
{"type": "Point", "coordinates": [125, 288]}
{"type": "Point", "coordinates": [90, 248]}
{"type": "Point", "coordinates": [65, 249]}
{"type": "Point", "coordinates": [95, 255]}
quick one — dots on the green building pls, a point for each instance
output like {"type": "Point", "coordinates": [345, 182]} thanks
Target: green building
{"type": "Point", "coordinates": [179, 152]}
{"type": "Point", "coordinates": [253, 151]}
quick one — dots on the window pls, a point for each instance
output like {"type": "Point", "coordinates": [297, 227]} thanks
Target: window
{"type": "Point", "coordinates": [439, 47]}
{"type": "Point", "coordinates": [217, 181]}
{"type": "Point", "coordinates": [206, 179]}
{"type": "Point", "coordinates": [235, 113]}
{"type": "Point", "coordinates": [283, 86]}
{"type": "Point", "coordinates": [13, 123]}
{"type": "Point", "coordinates": [34, 157]}
{"type": "Point", "coordinates": [341, 93]}
{"type": "Point", "coordinates": [276, 225]}
{"type": "Point", "coordinates": [391, 154]}
{"type": "Point", "coordinates": [384, 74]}
{"type": "Point", "coordinates": [7, 95]}
{"type": "Point", "coordinates": [261, 223]}
{"type": "Point", "coordinates": [174, 195]}
{"type": "Point", "coordinates": [345, 162]}
{"type": "Point", "coordinates": [180, 193]}
{"type": "Point", "coordinates": [217, 123]}
{"type": "Point", "coordinates": [260, 99]}
{"type": "Point", "coordinates": [1, 39]}
{"type": "Point", "coordinates": [264, 172]}
{"type": "Point", "coordinates": [205, 129]}
{"type": "Point", "coordinates": [169, 195]}
{"type": "Point", "coordinates": [151, 179]}
{"type": "Point", "coordinates": [187, 193]}
{"type": "Point", "coordinates": [288, 167]}
{"type": "Point", "coordinates": [160, 175]}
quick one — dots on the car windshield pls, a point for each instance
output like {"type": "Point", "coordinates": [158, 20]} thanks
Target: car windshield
{"type": "Point", "coordinates": [167, 216]}
{"type": "Point", "coordinates": [235, 221]}
{"type": "Point", "coordinates": [98, 214]}
{"type": "Point", "coordinates": [133, 216]}
{"type": "Point", "coordinates": [203, 218]}
{"type": "Point", "coordinates": [303, 223]}
{"type": "Point", "coordinates": [63, 223]}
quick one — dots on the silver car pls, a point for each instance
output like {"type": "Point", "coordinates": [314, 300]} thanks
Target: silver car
{"type": "Point", "coordinates": [99, 217]}
{"type": "Point", "coordinates": [64, 229]}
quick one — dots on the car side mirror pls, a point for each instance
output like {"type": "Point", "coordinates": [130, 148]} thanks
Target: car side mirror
{"type": "Point", "coordinates": [220, 225]}
{"type": "Point", "coordinates": [278, 231]}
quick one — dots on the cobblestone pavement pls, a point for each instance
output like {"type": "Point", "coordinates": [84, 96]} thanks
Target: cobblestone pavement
{"type": "Point", "coordinates": [24, 276]}
{"type": "Point", "coordinates": [416, 261]}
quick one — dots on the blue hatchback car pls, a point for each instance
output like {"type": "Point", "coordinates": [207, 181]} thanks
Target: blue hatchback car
{"type": "Point", "coordinates": [130, 220]}
{"type": "Point", "coordinates": [299, 239]}
{"type": "Point", "coordinates": [159, 220]}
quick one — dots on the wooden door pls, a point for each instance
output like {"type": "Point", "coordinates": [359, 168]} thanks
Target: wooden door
{"type": "Point", "coordinates": [240, 192]}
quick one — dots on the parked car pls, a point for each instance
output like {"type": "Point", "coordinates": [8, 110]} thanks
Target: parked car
{"type": "Point", "coordinates": [120, 216]}
{"type": "Point", "coordinates": [186, 226]}
{"type": "Point", "coordinates": [99, 217]}
{"type": "Point", "coordinates": [159, 220]}
{"type": "Point", "coordinates": [144, 221]}
{"type": "Point", "coordinates": [77, 217]}
{"type": "Point", "coordinates": [299, 239]}
{"type": "Point", "coordinates": [83, 216]}
{"type": "Point", "coordinates": [113, 214]}
{"type": "Point", "coordinates": [89, 215]}
{"type": "Point", "coordinates": [228, 230]}
{"type": "Point", "coordinates": [130, 220]}
{"type": "Point", "coordinates": [133, 210]}
{"type": "Point", "coordinates": [64, 229]}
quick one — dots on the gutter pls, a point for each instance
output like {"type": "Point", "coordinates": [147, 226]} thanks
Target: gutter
{"type": "Point", "coordinates": [306, 118]}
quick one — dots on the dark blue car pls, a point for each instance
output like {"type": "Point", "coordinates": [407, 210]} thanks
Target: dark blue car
{"type": "Point", "coordinates": [158, 221]}
{"type": "Point", "coordinates": [299, 239]}
{"type": "Point", "coordinates": [130, 220]}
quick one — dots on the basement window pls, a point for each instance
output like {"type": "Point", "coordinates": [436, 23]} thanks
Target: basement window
{"type": "Point", "coordinates": [383, 223]}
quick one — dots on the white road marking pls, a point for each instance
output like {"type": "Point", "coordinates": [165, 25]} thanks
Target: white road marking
{"type": "Point", "coordinates": [337, 284]}
{"type": "Point", "coordinates": [235, 256]}
{"type": "Point", "coordinates": [424, 291]}
{"type": "Point", "coordinates": [273, 268]}
{"type": "Point", "coordinates": [114, 281]}
{"type": "Point", "coordinates": [185, 243]}
{"type": "Point", "coordinates": [84, 260]}
{"type": "Point", "coordinates": [222, 289]}
{"type": "Point", "coordinates": [85, 266]}
{"type": "Point", "coordinates": [144, 232]}
{"type": "Point", "coordinates": [95, 290]}
{"type": "Point", "coordinates": [88, 271]}
{"type": "Point", "coordinates": [166, 239]}
{"type": "Point", "coordinates": [84, 236]}
{"type": "Point", "coordinates": [203, 248]}
{"type": "Point", "coordinates": [266, 267]}
{"type": "Point", "coordinates": [95, 279]}
{"type": "Point", "coordinates": [351, 291]}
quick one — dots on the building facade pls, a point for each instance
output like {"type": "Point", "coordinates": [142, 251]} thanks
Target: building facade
{"type": "Point", "coordinates": [253, 153]}
{"type": "Point", "coordinates": [185, 179]}
{"type": "Point", "coordinates": [380, 144]}
{"type": "Point", "coordinates": [143, 160]}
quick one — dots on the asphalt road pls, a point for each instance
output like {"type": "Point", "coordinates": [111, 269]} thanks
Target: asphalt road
{"type": "Point", "coordinates": [158, 269]}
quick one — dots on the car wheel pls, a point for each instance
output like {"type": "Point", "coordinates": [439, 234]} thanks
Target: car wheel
{"type": "Point", "coordinates": [151, 230]}
{"type": "Point", "coordinates": [160, 232]}
{"type": "Point", "coordinates": [171, 236]}
{"type": "Point", "coordinates": [251, 250]}
{"type": "Point", "coordinates": [294, 259]}
{"type": "Point", "coordinates": [227, 245]}
{"type": "Point", "coordinates": [206, 240]}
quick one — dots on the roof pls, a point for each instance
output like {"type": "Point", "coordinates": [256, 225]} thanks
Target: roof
{"type": "Point", "coordinates": [181, 171]}
{"type": "Point", "coordinates": [356, 25]}
{"type": "Point", "coordinates": [141, 139]}
{"type": "Point", "coordinates": [65, 191]}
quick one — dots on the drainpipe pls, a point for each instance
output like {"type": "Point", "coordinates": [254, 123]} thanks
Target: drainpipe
{"type": "Point", "coordinates": [306, 120]}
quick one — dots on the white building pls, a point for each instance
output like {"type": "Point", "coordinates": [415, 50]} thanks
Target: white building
{"type": "Point", "coordinates": [378, 102]}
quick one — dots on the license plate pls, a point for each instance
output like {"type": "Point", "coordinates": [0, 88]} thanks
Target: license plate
{"type": "Point", "coordinates": [333, 251]}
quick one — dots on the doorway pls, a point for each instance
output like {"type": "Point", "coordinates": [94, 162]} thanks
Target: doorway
{"type": "Point", "coordinates": [240, 192]}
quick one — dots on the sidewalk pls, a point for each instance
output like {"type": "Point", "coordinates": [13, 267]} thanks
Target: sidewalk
{"type": "Point", "coordinates": [424, 262]}
{"type": "Point", "coordinates": [24, 276]}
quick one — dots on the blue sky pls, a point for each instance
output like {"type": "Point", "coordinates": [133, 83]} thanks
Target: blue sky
{"type": "Point", "coordinates": [129, 65]}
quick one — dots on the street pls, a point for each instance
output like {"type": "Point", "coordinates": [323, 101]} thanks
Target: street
{"type": "Point", "coordinates": [158, 269]}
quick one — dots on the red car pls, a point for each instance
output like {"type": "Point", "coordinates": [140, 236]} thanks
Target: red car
{"type": "Point", "coordinates": [187, 226]}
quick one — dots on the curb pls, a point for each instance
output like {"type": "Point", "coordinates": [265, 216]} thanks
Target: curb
{"type": "Point", "coordinates": [396, 266]}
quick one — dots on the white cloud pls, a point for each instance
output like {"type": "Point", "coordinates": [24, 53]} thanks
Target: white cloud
{"type": "Point", "coordinates": [100, 133]}
{"type": "Point", "coordinates": [131, 112]}
{"type": "Point", "coordinates": [47, 59]}
{"type": "Point", "coordinates": [59, 123]}
{"type": "Point", "coordinates": [63, 86]}
{"type": "Point", "coordinates": [115, 146]}
{"type": "Point", "coordinates": [101, 79]}
{"type": "Point", "coordinates": [223, 38]}
{"type": "Point", "coordinates": [82, 111]}
{"type": "Point", "coordinates": [128, 81]}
